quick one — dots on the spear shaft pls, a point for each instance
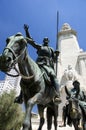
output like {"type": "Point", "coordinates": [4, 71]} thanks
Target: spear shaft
{"type": "Point", "coordinates": [57, 41]}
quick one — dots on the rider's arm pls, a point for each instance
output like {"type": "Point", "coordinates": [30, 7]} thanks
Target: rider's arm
{"type": "Point", "coordinates": [30, 39]}
{"type": "Point", "coordinates": [33, 43]}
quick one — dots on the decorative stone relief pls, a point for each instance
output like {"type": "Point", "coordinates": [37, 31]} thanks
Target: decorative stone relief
{"type": "Point", "coordinates": [69, 73]}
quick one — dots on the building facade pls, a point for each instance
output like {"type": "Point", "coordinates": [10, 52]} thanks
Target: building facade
{"type": "Point", "coordinates": [10, 83]}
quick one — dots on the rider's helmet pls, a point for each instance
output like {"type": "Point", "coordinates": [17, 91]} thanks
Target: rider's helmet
{"type": "Point", "coordinates": [45, 41]}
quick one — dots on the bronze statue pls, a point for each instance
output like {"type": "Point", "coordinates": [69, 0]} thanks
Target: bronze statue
{"type": "Point", "coordinates": [75, 109]}
{"type": "Point", "coordinates": [45, 60]}
{"type": "Point", "coordinates": [35, 89]}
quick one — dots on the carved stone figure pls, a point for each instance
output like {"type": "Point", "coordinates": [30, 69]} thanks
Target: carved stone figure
{"type": "Point", "coordinates": [69, 73]}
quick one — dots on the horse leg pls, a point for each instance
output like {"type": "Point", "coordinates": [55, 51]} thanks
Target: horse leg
{"type": "Point", "coordinates": [75, 124]}
{"type": "Point", "coordinates": [55, 116]}
{"type": "Point", "coordinates": [25, 102]}
{"type": "Point", "coordinates": [80, 125]}
{"type": "Point", "coordinates": [30, 103]}
{"type": "Point", "coordinates": [84, 125]}
{"type": "Point", "coordinates": [30, 125]}
{"type": "Point", "coordinates": [41, 114]}
{"type": "Point", "coordinates": [49, 119]}
{"type": "Point", "coordinates": [55, 122]}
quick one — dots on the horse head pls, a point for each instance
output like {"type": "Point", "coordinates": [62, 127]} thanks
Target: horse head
{"type": "Point", "coordinates": [14, 50]}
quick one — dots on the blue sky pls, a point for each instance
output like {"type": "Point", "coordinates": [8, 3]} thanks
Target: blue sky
{"type": "Point", "coordinates": [41, 16]}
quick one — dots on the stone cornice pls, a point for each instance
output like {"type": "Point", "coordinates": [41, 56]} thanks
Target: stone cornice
{"type": "Point", "coordinates": [67, 32]}
{"type": "Point", "coordinates": [82, 55]}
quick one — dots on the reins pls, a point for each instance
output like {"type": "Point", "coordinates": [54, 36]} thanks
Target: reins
{"type": "Point", "coordinates": [14, 62]}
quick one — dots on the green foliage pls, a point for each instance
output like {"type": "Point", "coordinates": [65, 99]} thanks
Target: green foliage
{"type": "Point", "coordinates": [11, 114]}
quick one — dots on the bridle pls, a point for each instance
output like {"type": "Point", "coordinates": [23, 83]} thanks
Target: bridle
{"type": "Point", "coordinates": [13, 66]}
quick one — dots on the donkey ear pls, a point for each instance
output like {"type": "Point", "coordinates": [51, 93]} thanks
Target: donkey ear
{"type": "Point", "coordinates": [67, 91]}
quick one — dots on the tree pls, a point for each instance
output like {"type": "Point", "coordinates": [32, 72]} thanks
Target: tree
{"type": "Point", "coordinates": [11, 114]}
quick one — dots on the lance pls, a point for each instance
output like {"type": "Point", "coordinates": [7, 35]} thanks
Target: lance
{"type": "Point", "coordinates": [57, 42]}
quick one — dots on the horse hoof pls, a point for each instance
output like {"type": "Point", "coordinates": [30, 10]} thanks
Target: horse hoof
{"type": "Point", "coordinates": [26, 125]}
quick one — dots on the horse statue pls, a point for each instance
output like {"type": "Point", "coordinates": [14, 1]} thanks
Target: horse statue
{"type": "Point", "coordinates": [74, 111]}
{"type": "Point", "coordinates": [36, 90]}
